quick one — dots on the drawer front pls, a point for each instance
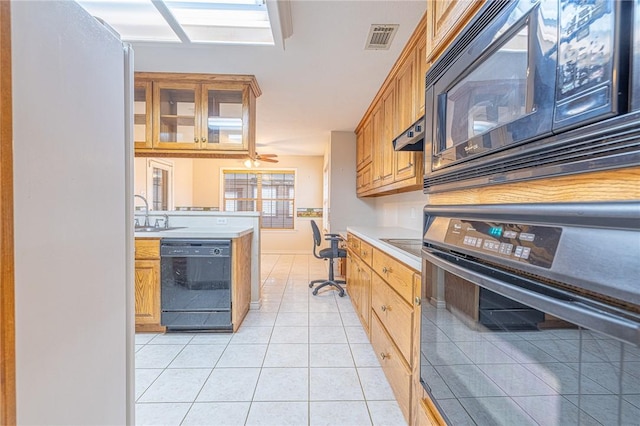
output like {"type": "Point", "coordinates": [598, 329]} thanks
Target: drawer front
{"type": "Point", "coordinates": [397, 275]}
{"type": "Point", "coordinates": [353, 243]}
{"type": "Point", "coordinates": [395, 314]}
{"type": "Point", "coordinates": [147, 248]}
{"type": "Point", "coordinates": [366, 252]}
{"type": "Point", "coordinates": [390, 359]}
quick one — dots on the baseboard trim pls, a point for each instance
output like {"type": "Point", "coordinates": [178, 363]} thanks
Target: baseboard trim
{"type": "Point", "coordinates": [304, 252]}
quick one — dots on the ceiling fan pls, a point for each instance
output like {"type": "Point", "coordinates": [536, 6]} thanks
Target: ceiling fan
{"type": "Point", "coordinates": [255, 160]}
{"type": "Point", "coordinates": [269, 158]}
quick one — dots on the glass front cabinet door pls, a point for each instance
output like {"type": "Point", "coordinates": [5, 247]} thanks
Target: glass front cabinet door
{"type": "Point", "coordinates": [142, 114]}
{"type": "Point", "coordinates": [226, 118]}
{"type": "Point", "coordinates": [177, 116]}
{"type": "Point", "coordinates": [197, 113]}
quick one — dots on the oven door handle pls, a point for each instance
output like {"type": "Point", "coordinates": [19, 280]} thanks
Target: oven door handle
{"type": "Point", "coordinates": [575, 311]}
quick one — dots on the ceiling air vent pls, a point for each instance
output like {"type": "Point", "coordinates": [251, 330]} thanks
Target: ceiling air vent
{"type": "Point", "coordinates": [381, 36]}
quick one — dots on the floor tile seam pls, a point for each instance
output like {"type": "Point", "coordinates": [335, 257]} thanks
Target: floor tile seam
{"type": "Point", "coordinates": [150, 384]}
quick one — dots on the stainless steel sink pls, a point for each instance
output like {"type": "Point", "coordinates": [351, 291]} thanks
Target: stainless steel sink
{"type": "Point", "coordinates": [156, 229]}
{"type": "Point", "coordinates": [410, 245]}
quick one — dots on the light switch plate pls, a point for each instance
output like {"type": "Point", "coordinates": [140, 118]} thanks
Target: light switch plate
{"type": "Point", "coordinates": [221, 221]}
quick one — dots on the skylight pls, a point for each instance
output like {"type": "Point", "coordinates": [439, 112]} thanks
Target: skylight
{"type": "Point", "coordinates": [187, 21]}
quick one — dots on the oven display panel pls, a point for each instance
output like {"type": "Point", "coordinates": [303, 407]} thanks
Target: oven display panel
{"type": "Point", "coordinates": [535, 245]}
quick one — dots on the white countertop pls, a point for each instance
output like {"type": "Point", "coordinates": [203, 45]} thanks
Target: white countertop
{"type": "Point", "coordinates": [199, 232]}
{"type": "Point", "coordinates": [373, 235]}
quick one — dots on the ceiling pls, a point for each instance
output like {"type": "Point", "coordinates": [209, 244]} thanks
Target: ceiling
{"type": "Point", "coordinates": [318, 80]}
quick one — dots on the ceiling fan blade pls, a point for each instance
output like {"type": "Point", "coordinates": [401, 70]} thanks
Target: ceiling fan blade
{"type": "Point", "coordinates": [268, 160]}
{"type": "Point", "coordinates": [267, 155]}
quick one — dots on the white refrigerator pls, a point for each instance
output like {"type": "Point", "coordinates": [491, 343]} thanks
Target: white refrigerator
{"type": "Point", "coordinates": [72, 118]}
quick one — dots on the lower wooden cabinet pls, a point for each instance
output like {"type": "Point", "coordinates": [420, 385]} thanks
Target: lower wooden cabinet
{"type": "Point", "coordinates": [395, 314]}
{"type": "Point", "coordinates": [395, 369]}
{"type": "Point", "coordinates": [241, 279]}
{"type": "Point", "coordinates": [359, 289]}
{"type": "Point", "coordinates": [147, 285]}
{"type": "Point", "coordinates": [381, 289]}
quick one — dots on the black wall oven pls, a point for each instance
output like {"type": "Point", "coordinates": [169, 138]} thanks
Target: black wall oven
{"type": "Point", "coordinates": [530, 314]}
{"type": "Point", "coordinates": [531, 89]}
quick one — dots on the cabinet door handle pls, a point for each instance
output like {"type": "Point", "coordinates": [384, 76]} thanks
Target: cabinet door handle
{"type": "Point", "coordinates": [383, 308]}
{"type": "Point", "coordinates": [383, 355]}
{"type": "Point", "coordinates": [418, 301]}
{"type": "Point", "coordinates": [385, 270]}
{"type": "Point", "coordinates": [204, 140]}
{"type": "Point", "coordinates": [195, 140]}
{"type": "Point", "coordinates": [364, 252]}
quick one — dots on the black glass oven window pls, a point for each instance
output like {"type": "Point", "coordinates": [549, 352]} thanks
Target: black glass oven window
{"type": "Point", "coordinates": [522, 366]}
{"type": "Point", "coordinates": [493, 94]}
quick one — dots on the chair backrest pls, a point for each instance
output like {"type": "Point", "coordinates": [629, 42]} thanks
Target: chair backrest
{"type": "Point", "coordinates": [317, 238]}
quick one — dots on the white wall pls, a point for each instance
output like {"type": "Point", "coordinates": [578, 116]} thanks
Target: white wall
{"type": "Point", "coordinates": [403, 210]}
{"type": "Point", "coordinates": [345, 208]}
{"type": "Point", "coordinates": [71, 242]}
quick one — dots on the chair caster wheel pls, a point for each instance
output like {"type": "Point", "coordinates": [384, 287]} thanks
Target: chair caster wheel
{"type": "Point", "coordinates": [310, 285]}
{"type": "Point", "coordinates": [341, 294]}
{"type": "Point", "coordinates": [315, 292]}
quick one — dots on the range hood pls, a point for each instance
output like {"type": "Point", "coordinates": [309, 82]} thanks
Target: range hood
{"type": "Point", "coordinates": [412, 139]}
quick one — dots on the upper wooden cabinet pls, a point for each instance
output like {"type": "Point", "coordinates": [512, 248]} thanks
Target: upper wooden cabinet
{"type": "Point", "coordinates": [421, 71]}
{"type": "Point", "coordinates": [398, 104]}
{"type": "Point", "coordinates": [202, 115]}
{"type": "Point", "coordinates": [383, 131]}
{"type": "Point", "coordinates": [445, 19]}
{"type": "Point", "coordinates": [142, 115]}
{"type": "Point", "coordinates": [363, 148]}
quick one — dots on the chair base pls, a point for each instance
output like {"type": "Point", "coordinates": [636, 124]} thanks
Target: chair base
{"type": "Point", "coordinates": [311, 283]}
{"type": "Point", "coordinates": [325, 283]}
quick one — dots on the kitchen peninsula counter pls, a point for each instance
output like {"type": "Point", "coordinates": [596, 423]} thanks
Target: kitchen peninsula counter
{"type": "Point", "coordinates": [219, 232]}
{"type": "Point", "coordinates": [148, 270]}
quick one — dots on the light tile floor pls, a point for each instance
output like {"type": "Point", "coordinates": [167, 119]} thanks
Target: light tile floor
{"type": "Point", "coordinates": [299, 360]}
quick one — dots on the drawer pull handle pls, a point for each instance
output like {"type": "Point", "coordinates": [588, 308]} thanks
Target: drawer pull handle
{"type": "Point", "coordinates": [385, 270]}
{"type": "Point", "coordinates": [418, 301]}
{"type": "Point", "coordinates": [364, 252]}
{"type": "Point", "coordinates": [383, 307]}
{"type": "Point", "coordinates": [383, 355]}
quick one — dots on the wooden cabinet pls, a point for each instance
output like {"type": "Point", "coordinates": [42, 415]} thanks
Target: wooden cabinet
{"type": "Point", "coordinates": [147, 284]}
{"type": "Point", "coordinates": [359, 278]}
{"type": "Point", "coordinates": [396, 370]}
{"type": "Point", "coordinates": [445, 20]}
{"type": "Point", "coordinates": [142, 115]}
{"type": "Point", "coordinates": [363, 180]}
{"type": "Point", "coordinates": [383, 133]}
{"type": "Point", "coordinates": [397, 105]}
{"type": "Point", "coordinates": [363, 148]}
{"type": "Point", "coordinates": [198, 115]}
{"type": "Point", "coordinates": [381, 289]}
{"type": "Point", "coordinates": [421, 71]}
{"type": "Point", "coordinates": [241, 279]}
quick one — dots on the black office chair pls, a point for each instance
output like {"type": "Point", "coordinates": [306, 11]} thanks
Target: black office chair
{"type": "Point", "coordinates": [327, 254]}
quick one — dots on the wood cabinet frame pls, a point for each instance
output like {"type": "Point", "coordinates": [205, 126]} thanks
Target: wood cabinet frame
{"type": "Point", "coordinates": [200, 84]}
{"type": "Point", "coordinates": [7, 272]}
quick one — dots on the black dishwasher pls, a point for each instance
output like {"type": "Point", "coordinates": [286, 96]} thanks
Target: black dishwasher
{"type": "Point", "coordinates": [196, 284]}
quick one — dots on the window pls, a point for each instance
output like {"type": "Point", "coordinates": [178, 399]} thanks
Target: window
{"type": "Point", "coordinates": [270, 192]}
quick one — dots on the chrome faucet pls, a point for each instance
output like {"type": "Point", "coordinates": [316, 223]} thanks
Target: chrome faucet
{"type": "Point", "coordinates": [146, 211]}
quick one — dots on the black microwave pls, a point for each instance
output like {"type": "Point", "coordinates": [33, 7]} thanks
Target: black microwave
{"type": "Point", "coordinates": [534, 88]}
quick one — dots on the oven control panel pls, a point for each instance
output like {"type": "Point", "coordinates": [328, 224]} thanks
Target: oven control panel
{"type": "Point", "coordinates": [532, 244]}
